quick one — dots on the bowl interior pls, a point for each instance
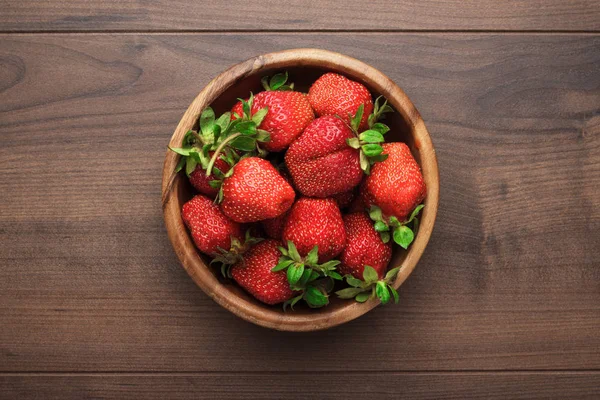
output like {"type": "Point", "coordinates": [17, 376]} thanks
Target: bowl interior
{"type": "Point", "coordinates": [302, 79]}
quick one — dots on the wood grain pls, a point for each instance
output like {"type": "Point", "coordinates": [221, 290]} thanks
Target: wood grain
{"type": "Point", "coordinates": [510, 279]}
{"type": "Point", "coordinates": [294, 386]}
{"type": "Point", "coordinates": [355, 15]}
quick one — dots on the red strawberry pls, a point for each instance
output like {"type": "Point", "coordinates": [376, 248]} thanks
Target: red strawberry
{"type": "Point", "coordinates": [344, 199]}
{"type": "Point", "coordinates": [254, 274]}
{"type": "Point", "coordinates": [210, 228]}
{"type": "Point", "coordinates": [396, 184]}
{"type": "Point", "coordinates": [255, 191]}
{"type": "Point", "coordinates": [334, 94]}
{"type": "Point", "coordinates": [357, 204]}
{"type": "Point", "coordinates": [321, 162]}
{"type": "Point", "coordinates": [289, 113]}
{"type": "Point", "coordinates": [363, 247]}
{"type": "Point", "coordinates": [274, 227]}
{"type": "Point", "coordinates": [199, 180]}
{"type": "Point", "coordinates": [316, 222]}
{"type": "Point", "coordinates": [393, 192]}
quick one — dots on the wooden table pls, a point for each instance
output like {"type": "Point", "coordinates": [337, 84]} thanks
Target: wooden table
{"type": "Point", "coordinates": [505, 302]}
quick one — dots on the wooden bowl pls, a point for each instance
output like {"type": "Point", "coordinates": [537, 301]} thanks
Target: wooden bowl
{"type": "Point", "coordinates": [304, 67]}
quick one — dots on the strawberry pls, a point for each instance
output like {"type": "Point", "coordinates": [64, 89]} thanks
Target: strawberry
{"type": "Point", "coordinates": [289, 112]}
{"type": "Point", "coordinates": [211, 230]}
{"type": "Point", "coordinates": [198, 147]}
{"type": "Point", "coordinates": [316, 222]}
{"type": "Point", "coordinates": [255, 191]}
{"type": "Point", "coordinates": [363, 247]}
{"type": "Point", "coordinates": [255, 274]}
{"type": "Point", "coordinates": [320, 161]}
{"type": "Point", "coordinates": [201, 182]}
{"type": "Point", "coordinates": [334, 94]}
{"type": "Point", "coordinates": [394, 189]}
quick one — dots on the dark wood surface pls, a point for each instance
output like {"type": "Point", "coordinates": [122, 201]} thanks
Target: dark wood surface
{"type": "Point", "coordinates": [505, 302]}
{"type": "Point", "coordinates": [380, 15]}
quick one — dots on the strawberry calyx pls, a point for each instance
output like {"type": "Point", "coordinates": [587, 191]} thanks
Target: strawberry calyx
{"type": "Point", "coordinates": [235, 253]}
{"type": "Point", "coordinates": [196, 145]}
{"type": "Point", "coordinates": [371, 286]}
{"type": "Point", "coordinates": [403, 232]}
{"type": "Point", "coordinates": [369, 141]}
{"type": "Point", "coordinates": [314, 281]}
{"type": "Point", "coordinates": [277, 82]}
{"type": "Point", "coordinates": [243, 134]}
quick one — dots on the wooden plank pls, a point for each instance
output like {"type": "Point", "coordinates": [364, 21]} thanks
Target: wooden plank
{"type": "Point", "coordinates": [89, 282]}
{"type": "Point", "coordinates": [294, 386]}
{"type": "Point", "coordinates": [380, 15]}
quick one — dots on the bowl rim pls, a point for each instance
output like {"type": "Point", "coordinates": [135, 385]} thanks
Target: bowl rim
{"type": "Point", "coordinates": [182, 243]}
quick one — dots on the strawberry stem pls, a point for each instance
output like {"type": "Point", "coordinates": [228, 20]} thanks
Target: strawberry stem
{"type": "Point", "coordinates": [218, 150]}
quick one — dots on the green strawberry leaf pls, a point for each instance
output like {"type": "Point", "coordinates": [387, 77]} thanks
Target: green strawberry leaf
{"type": "Point", "coordinates": [382, 292]}
{"type": "Point", "coordinates": [190, 165]}
{"type": "Point", "coordinates": [385, 236]}
{"type": "Point", "coordinates": [348, 293]}
{"type": "Point", "coordinates": [354, 143]}
{"type": "Point", "coordinates": [293, 252]}
{"type": "Point", "coordinates": [355, 121]}
{"type": "Point", "coordinates": [394, 222]}
{"type": "Point", "coordinates": [244, 143]}
{"type": "Point", "coordinates": [381, 128]}
{"type": "Point", "coordinates": [379, 158]}
{"type": "Point", "coordinates": [278, 80]}
{"type": "Point", "coordinates": [283, 251]}
{"type": "Point", "coordinates": [313, 256]}
{"type": "Point", "coordinates": [180, 164]}
{"type": "Point", "coordinates": [415, 212]}
{"type": "Point", "coordinates": [184, 151]}
{"type": "Point", "coordinates": [370, 275]}
{"type": "Point", "coordinates": [364, 163]}
{"type": "Point", "coordinates": [372, 150]}
{"type": "Point", "coordinates": [334, 275]}
{"type": "Point", "coordinates": [315, 298]}
{"type": "Point", "coordinates": [246, 128]}
{"type": "Point", "coordinates": [362, 297]}
{"type": "Point", "coordinates": [375, 213]}
{"type": "Point", "coordinates": [371, 136]}
{"type": "Point", "coordinates": [215, 184]}
{"type": "Point", "coordinates": [294, 273]}
{"type": "Point", "coordinates": [381, 226]}
{"type": "Point", "coordinates": [207, 120]}
{"type": "Point", "coordinates": [223, 121]}
{"type": "Point", "coordinates": [304, 279]}
{"type": "Point", "coordinates": [282, 265]}
{"type": "Point", "coordinates": [258, 117]}
{"type": "Point", "coordinates": [352, 281]}
{"type": "Point", "coordinates": [392, 274]}
{"type": "Point", "coordinates": [394, 294]}
{"type": "Point", "coordinates": [404, 236]}
{"type": "Point", "coordinates": [263, 136]}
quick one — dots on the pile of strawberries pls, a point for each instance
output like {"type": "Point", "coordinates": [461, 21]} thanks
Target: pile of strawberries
{"type": "Point", "coordinates": [299, 194]}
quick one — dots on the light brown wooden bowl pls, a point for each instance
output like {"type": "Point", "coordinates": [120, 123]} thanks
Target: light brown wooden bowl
{"type": "Point", "coordinates": [304, 66]}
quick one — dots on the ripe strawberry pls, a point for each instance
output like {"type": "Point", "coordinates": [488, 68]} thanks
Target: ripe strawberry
{"type": "Point", "coordinates": [321, 162]}
{"type": "Point", "coordinates": [394, 189]}
{"type": "Point", "coordinates": [200, 181]}
{"type": "Point", "coordinates": [254, 274]}
{"type": "Point", "coordinates": [363, 247]}
{"type": "Point", "coordinates": [334, 94]}
{"type": "Point", "coordinates": [289, 112]}
{"type": "Point", "coordinates": [255, 191]}
{"type": "Point", "coordinates": [316, 222]}
{"type": "Point", "coordinates": [274, 227]}
{"type": "Point", "coordinates": [209, 227]}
